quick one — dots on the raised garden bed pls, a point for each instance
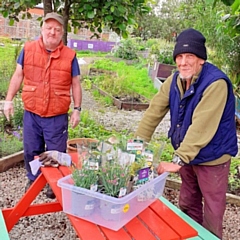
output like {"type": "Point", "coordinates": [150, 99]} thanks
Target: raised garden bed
{"type": "Point", "coordinates": [161, 70]}
{"type": "Point", "coordinates": [10, 161]}
{"type": "Point", "coordinates": [126, 103]}
{"type": "Point", "coordinates": [96, 72]}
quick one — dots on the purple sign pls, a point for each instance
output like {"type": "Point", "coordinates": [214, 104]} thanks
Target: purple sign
{"type": "Point", "coordinates": [95, 46]}
{"type": "Point", "coordinates": [143, 173]}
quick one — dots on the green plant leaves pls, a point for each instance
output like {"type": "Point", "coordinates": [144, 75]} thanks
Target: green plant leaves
{"type": "Point", "coordinates": [128, 80]}
{"type": "Point", "coordinates": [109, 18]}
{"type": "Point", "coordinates": [228, 2]}
{"type": "Point", "coordinates": [112, 8]}
{"type": "Point", "coordinates": [91, 14]}
{"type": "Point", "coordinates": [116, 15]}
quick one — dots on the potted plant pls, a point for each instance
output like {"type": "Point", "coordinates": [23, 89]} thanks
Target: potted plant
{"type": "Point", "coordinates": [72, 143]}
{"type": "Point", "coordinates": [83, 205]}
{"type": "Point", "coordinates": [114, 179]}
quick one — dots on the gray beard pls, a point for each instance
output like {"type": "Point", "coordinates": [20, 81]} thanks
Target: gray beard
{"type": "Point", "coordinates": [185, 78]}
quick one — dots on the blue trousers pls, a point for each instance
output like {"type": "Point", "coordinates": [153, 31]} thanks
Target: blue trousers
{"type": "Point", "coordinates": [42, 134]}
{"type": "Point", "coordinates": [203, 194]}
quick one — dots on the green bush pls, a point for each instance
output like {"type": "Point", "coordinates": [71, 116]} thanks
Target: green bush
{"type": "Point", "coordinates": [151, 42]}
{"type": "Point", "coordinates": [162, 54]}
{"type": "Point", "coordinates": [9, 144]}
{"type": "Point", "coordinates": [8, 56]}
{"type": "Point", "coordinates": [127, 49]}
{"type": "Point", "coordinates": [88, 128]}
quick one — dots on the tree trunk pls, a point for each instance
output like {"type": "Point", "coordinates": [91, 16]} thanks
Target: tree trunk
{"type": "Point", "coordinates": [66, 11]}
{"type": "Point", "coordinates": [47, 6]}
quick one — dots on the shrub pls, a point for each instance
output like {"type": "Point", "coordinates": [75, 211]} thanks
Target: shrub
{"type": "Point", "coordinates": [127, 50]}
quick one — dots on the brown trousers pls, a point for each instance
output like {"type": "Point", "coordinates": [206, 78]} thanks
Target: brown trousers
{"type": "Point", "coordinates": [203, 194]}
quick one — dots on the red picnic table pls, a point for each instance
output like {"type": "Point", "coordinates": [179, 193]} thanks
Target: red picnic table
{"type": "Point", "coordinates": [157, 221]}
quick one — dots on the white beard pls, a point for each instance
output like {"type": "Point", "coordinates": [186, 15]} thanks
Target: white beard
{"type": "Point", "coordinates": [185, 77]}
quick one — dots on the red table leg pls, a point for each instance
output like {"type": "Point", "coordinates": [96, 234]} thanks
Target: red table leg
{"type": "Point", "coordinates": [18, 211]}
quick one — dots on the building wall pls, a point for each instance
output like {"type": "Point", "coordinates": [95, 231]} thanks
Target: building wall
{"type": "Point", "coordinates": [24, 29]}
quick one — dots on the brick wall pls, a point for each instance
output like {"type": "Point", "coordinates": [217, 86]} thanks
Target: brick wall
{"type": "Point", "coordinates": [24, 29]}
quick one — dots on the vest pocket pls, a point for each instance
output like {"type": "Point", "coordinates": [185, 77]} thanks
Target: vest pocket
{"type": "Point", "coordinates": [62, 101]}
{"type": "Point", "coordinates": [29, 97]}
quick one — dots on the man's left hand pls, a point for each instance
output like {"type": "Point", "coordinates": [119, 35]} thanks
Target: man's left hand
{"type": "Point", "coordinates": [75, 118]}
{"type": "Point", "coordinates": [167, 167]}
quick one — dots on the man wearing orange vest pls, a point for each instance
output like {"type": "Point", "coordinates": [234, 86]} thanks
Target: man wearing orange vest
{"type": "Point", "coordinates": [49, 72]}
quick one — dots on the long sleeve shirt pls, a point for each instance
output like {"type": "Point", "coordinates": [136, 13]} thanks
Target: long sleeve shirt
{"type": "Point", "coordinates": [205, 120]}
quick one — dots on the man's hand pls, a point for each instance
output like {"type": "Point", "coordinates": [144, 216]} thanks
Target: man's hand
{"type": "Point", "coordinates": [75, 118]}
{"type": "Point", "coordinates": [167, 167]}
{"type": "Point", "coordinates": [8, 109]}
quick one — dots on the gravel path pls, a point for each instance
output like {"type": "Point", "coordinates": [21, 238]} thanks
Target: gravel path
{"type": "Point", "coordinates": [56, 226]}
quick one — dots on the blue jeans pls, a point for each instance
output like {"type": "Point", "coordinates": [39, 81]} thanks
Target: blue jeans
{"type": "Point", "coordinates": [42, 134]}
{"type": "Point", "coordinates": [203, 194]}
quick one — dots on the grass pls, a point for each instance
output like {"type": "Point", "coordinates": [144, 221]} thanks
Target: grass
{"type": "Point", "coordinates": [8, 54]}
{"type": "Point", "coordinates": [88, 53]}
{"type": "Point", "coordinates": [129, 80]}
{"type": "Point", "coordinates": [105, 100]}
{"type": "Point", "coordinates": [89, 128]}
{"type": "Point", "coordinates": [9, 144]}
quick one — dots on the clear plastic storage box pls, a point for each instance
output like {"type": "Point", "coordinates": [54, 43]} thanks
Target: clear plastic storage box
{"type": "Point", "coordinates": [107, 211]}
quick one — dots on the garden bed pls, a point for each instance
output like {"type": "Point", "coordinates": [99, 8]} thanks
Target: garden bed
{"type": "Point", "coordinates": [126, 103]}
{"type": "Point", "coordinates": [10, 161]}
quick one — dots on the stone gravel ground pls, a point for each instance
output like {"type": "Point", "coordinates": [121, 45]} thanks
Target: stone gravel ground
{"type": "Point", "coordinates": [56, 226]}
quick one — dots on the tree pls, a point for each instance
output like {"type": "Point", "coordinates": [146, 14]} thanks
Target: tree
{"type": "Point", "coordinates": [91, 14]}
{"type": "Point", "coordinates": [149, 26]}
{"type": "Point", "coordinates": [162, 22]}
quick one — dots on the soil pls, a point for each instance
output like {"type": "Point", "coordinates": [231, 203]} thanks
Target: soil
{"type": "Point", "coordinates": [135, 99]}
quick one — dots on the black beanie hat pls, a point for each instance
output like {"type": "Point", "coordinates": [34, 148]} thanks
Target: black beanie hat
{"type": "Point", "coordinates": [190, 41]}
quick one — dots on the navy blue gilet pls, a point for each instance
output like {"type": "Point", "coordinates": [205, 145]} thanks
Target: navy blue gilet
{"type": "Point", "coordinates": [181, 110]}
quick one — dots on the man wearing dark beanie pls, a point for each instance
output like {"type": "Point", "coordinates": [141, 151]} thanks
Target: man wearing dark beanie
{"type": "Point", "coordinates": [202, 130]}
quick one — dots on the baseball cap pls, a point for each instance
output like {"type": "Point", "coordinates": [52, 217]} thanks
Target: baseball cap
{"type": "Point", "coordinates": [55, 16]}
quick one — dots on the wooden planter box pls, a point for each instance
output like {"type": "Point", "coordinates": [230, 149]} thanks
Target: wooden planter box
{"type": "Point", "coordinates": [161, 70]}
{"type": "Point", "coordinates": [10, 161]}
{"type": "Point", "coordinates": [122, 104]}
{"type": "Point", "coordinates": [157, 82]}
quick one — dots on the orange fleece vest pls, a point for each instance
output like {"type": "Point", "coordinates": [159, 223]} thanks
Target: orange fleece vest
{"type": "Point", "coordinates": [47, 79]}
